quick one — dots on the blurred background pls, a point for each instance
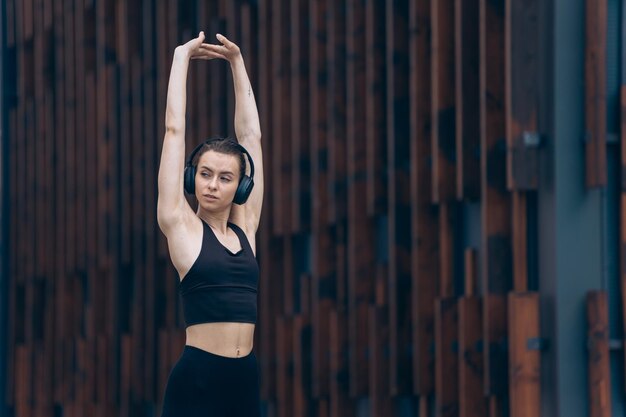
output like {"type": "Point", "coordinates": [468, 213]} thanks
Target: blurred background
{"type": "Point", "coordinates": [444, 224]}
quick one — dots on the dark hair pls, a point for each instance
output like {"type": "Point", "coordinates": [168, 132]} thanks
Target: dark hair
{"type": "Point", "coordinates": [227, 146]}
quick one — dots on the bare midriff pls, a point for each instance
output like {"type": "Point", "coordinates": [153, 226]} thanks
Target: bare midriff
{"type": "Point", "coordinates": [232, 340]}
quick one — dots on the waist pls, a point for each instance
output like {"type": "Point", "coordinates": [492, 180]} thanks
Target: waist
{"type": "Point", "coordinates": [222, 338]}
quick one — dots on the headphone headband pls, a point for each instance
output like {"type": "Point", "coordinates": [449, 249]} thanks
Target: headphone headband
{"type": "Point", "coordinates": [201, 145]}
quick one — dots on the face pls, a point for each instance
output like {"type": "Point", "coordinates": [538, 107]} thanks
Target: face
{"type": "Point", "coordinates": [217, 178]}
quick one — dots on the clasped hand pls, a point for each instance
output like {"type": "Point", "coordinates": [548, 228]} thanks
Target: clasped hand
{"type": "Point", "coordinates": [197, 49]}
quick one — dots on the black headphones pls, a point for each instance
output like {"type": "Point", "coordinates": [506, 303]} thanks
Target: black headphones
{"type": "Point", "coordinates": [245, 183]}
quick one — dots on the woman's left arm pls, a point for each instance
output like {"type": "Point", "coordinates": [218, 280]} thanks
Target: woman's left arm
{"type": "Point", "coordinates": [247, 129]}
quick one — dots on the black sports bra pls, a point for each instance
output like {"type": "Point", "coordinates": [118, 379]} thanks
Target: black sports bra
{"type": "Point", "coordinates": [221, 286]}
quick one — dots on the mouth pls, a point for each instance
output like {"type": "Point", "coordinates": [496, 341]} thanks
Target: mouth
{"type": "Point", "coordinates": [210, 197]}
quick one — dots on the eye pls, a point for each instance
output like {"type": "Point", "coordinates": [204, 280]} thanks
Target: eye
{"type": "Point", "coordinates": [225, 179]}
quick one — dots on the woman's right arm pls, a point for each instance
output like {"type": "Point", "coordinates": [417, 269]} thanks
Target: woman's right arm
{"type": "Point", "coordinates": [171, 204]}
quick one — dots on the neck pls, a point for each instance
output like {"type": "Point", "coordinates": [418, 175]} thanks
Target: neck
{"type": "Point", "coordinates": [218, 221]}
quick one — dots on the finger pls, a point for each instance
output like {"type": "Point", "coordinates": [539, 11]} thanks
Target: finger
{"type": "Point", "coordinates": [223, 40]}
{"type": "Point", "coordinates": [207, 55]}
{"type": "Point", "coordinates": [220, 49]}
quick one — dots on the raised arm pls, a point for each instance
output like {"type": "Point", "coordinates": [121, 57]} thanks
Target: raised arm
{"type": "Point", "coordinates": [247, 129]}
{"type": "Point", "coordinates": [172, 205]}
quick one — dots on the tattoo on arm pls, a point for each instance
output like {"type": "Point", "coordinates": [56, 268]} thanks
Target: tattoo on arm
{"type": "Point", "coordinates": [249, 91]}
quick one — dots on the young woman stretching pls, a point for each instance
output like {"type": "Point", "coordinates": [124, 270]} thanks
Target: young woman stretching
{"type": "Point", "coordinates": [213, 249]}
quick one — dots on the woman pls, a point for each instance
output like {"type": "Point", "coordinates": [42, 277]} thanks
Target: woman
{"type": "Point", "coordinates": [213, 249]}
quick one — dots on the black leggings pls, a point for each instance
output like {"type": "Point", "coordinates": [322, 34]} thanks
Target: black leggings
{"type": "Point", "coordinates": [203, 384]}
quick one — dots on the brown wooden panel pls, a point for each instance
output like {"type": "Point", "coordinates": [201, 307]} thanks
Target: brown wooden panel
{"type": "Point", "coordinates": [340, 402]}
{"type": "Point", "coordinates": [300, 116]}
{"type": "Point", "coordinates": [467, 99]}
{"type": "Point", "coordinates": [268, 251]}
{"type": "Point", "coordinates": [494, 339]}
{"type": "Point", "coordinates": [380, 401]}
{"type": "Point", "coordinates": [284, 362]}
{"type": "Point", "coordinates": [281, 125]}
{"type": "Point", "coordinates": [424, 216]}
{"type": "Point", "coordinates": [520, 242]}
{"type": "Point", "coordinates": [71, 232]}
{"type": "Point", "coordinates": [472, 402]}
{"type": "Point", "coordinates": [446, 357]}
{"type": "Point", "coordinates": [398, 198]}
{"type": "Point", "coordinates": [301, 366]}
{"type": "Point", "coordinates": [622, 210]}
{"type": "Point", "coordinates": [524, 361]}
{"type": "Point", "coordinates": [598, 354]}
{"type": "Point", "coordinates": [322, 254]}
{"type": "Point", "coordinates": [336, 108]}
{"type": "Point", "coordinates": [522, 92]}
{"type": "Point", "coordinates": [61, 272]}
{"type": "Point", "coordinates": [152, 232]}
{"type": "Point", "coordinates": [360, 243]}
{"type": "Point", "coordinates": [448, 231]}
{"type": "Point", "coordinates": [12, 298]}
{"type": "Point", "coordinates": [444, 150]}
{"type": "Point", "coordinates": [10, 22]}
{"type": "Point", "coordinates": [376, 116]}
{"type": "Point", "coordinates": [287, 301]}
{"type": "Point", "coordinates": [496, 238]}
{"type": "Point", "coordinates": [595, 92]}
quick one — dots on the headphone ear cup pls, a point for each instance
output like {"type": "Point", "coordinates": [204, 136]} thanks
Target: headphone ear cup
{"type": "Point", "coordinates": [243, 190]}
{"type": "Point", "coordinates": [189, 179]}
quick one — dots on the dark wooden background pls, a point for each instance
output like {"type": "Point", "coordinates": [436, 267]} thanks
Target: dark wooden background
{"type": "Point", "coordinates": [383, 123]}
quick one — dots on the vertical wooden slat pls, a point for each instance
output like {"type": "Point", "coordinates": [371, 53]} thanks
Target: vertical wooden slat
{"type": "Point", "coordinates": [424, 216]}
{"type": "Point", "coordinates": [284, 362]}
{"type": "Point", "coordinates": [270, 247]}
{"type": "Point", "coordinates": [300, 129]}
{"type": "Point", "coordinates": [61, 280]}
{"type": "Point", "coordinates": [340, 403]}
{"type": "Point", "coordinates": [281, 156]}
{"type": "Point", "coordinates": [446, 358]}
{"type": "Point", "coordinates": [381, 404]}
{"type": "Point", "coordinates": [595, 92]}
{"type": "Point", "coordinates": [466, 38]}
{"type": "Point", "coordinates": [496, 246]}
{"type": "Point", "coordinates": [622, 209]}
{"type": "Point", "coordinates": [444, 149]}
{"type": "Point", "coordinates": [598, 354]}
{"type": "Point", "coordinates": [322, 258]}
{"type": "Point", "coordinates": [524, 359]}
{"type": "Point", "coordinates": [336, 108]}
{"type": "Point", "coordinates": [398, 209]}
{"type": "Point", "coordinates": [360, 245]}
{"type": "Point", "coordinates": [472, 402]}
{"type": "Point", "coordinates": [302, 366]}
{"type": "Point", "coordinates": [375, 70]}
{"type": "Point", "coordinates": [522, 90]}
{"type": "Point", "coordinates": [520, 241]}
{"type": "Point", "coordinates": [148, 28]}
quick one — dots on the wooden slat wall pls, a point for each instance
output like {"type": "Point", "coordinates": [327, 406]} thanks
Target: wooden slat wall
{"type": "Point", "coordinates": [599, 382]}
{"type": "Point", "coordinates": [622, 210]}
{"type": "Point", "coordinates": [595, 92]}
{"type": "Point", "coordinates": [381, 121]}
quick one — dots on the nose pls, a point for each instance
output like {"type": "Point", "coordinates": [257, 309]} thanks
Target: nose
{"type": "Point", "coordinates": [213, 183]}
